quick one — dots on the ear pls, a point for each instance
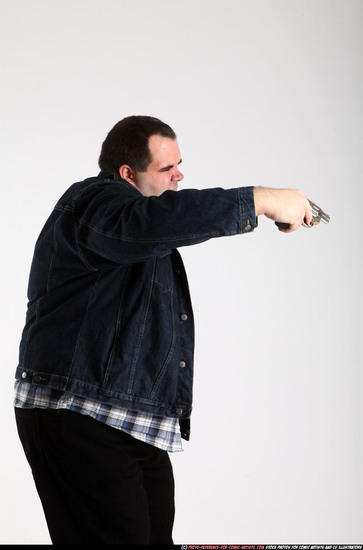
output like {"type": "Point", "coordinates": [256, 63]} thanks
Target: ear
{"type": "Point", "coordinates": [127, 174]}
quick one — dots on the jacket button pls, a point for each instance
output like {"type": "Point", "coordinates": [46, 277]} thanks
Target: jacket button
{"type": "Point", "coordinates": [182, 364]}
{"type": "Point", "coordinates": [179, 411]}
{"type": "Point", "coordinates": [248, 226]}
{"type": "Point", "coordinates": [183, 317]}
{"type": "Point", "coordinates": [24, 375]}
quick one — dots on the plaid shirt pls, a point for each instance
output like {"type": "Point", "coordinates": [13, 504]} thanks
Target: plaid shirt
{"type": "Point", "coordinates": [162, 432]}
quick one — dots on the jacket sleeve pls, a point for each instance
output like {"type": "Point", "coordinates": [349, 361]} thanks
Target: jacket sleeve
{"type": "Point", "coordinates": [118, 223]}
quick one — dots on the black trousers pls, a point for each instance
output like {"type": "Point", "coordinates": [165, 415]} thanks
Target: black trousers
{"type": "Point", "coordinates": [97, 484]}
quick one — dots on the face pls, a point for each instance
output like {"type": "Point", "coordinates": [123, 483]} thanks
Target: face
{"type": "Point", "coordinates": [162, 174]}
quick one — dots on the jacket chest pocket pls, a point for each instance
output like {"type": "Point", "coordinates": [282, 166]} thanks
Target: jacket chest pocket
{"type": "Point", "coordinates": [164, 271]}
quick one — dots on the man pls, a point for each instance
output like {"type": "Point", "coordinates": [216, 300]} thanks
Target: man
{"type": "Point", "coordinates": [104, 383]}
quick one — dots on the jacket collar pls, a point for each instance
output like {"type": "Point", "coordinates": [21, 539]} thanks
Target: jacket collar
{"type": "Point", "coordinates": [118, 178]}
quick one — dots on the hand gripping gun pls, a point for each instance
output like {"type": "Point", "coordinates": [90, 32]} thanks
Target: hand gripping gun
{"type": "Point", "coordinates": [318, 216]}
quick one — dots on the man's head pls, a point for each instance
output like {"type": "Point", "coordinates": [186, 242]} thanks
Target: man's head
{"type": "Point", "coordinates": [145, 152]}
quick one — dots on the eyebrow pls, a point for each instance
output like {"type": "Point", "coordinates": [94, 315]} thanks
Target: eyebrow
{"type": "Point", "coordinates": [165, 168]}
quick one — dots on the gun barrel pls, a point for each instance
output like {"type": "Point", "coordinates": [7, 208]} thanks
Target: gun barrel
{"type": "Point", "coordinates": [318, 213]}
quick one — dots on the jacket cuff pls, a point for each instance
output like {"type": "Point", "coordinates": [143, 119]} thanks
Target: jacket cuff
{"type": "Point", "coordinates": [249, 221]}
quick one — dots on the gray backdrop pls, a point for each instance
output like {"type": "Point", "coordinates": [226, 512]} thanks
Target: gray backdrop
{"type": "Point", "coordinates": [260, 92]}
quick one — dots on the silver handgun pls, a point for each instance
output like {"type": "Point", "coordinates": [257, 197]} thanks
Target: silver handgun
{"type": "Point", "coordinates": [318, 216]}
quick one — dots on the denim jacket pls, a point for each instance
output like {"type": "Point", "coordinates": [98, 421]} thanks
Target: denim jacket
{"type": "Point", "coordinates": [109, 314]}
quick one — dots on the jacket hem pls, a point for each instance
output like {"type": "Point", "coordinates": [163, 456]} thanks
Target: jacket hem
{"type": "Point", "coordinates": [120, 399]}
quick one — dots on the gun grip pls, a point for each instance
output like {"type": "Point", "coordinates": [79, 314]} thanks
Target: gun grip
{"type": "Point", "coordinates": [282, 225]}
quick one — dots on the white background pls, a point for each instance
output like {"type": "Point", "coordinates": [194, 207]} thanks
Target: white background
{"type": "Point", "coordinates": [260, 92]}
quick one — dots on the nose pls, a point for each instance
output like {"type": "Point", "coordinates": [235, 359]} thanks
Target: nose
{"type": "Point", "coordinates": [177, 176]}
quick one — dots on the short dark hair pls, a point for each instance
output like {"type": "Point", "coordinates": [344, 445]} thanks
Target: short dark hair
{"type": "Point", "coordinates": [128, 143]}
